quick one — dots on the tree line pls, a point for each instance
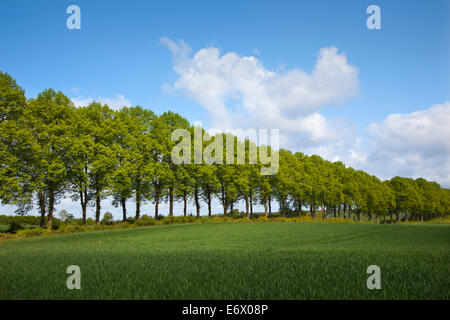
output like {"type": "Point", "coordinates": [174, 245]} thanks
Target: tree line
{"type": "Point", "coordinates": [50, 150]}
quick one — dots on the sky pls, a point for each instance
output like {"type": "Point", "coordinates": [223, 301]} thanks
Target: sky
{"type": "Point", "coordinates": [376, 99]}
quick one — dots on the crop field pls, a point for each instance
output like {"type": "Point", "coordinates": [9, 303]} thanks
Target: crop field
{"type": "Point", "coordinates": [272, 260]}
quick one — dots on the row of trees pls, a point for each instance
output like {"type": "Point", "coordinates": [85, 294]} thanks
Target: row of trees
{"type": "Point", "coordinates": [50, 149]}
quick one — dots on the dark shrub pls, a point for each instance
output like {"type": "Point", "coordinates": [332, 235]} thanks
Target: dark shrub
{"type": "Point", "coordinates": [14, 227]}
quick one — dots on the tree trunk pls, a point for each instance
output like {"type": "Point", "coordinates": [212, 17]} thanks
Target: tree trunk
{"type": "Point", "coordinates": [209, 205]}
{"type": "Point", "coordinates": [185, 202]}
{"type": "Point", "coordinates": [231, 206]}
{"type": "Point", "coordinates": [41, 197]}
{"type": "Point", "coordinates": [97, 207]}
{"type": "Point", "coordinates": [376, 217]}
{"type": "Point", "coordinates": [138, 199]}
{"type": "Point", "coordinates": [345, 207]}
{"type": "Point", "coordinates": [156, 204]}
{"type": "Point", "coordinates": [51, 204]}
{"type": "Point", "coordinates": [83, 200]}
{"type": "Point", "coordinates": [421, 217]}
{"type": "Point", "coordinates": [270, 207]}
{"type": "Point", "coordinates": [299, 207]}
{"type": "Point", "coordinates": [224, 201]}
{"type": "Point", "coordinates": [123, 202]}
{"type": "Point", "coordinates": [84, 197]}
{"type": "Point", "coordinates": [251, 204]}
{"type": "Point", "coordinates": [265, 209]}
{"type": "Point", "coordinates": [246, 206]}
{"type": "Point", "coordinates": [339, 211]}
{"type": "Point", "coordinates": [138, 205]}
{"type": "Point", "coordinates": [334, 211]}
{"type": "Point", "coordinates": [197, 203]}
{"type": "Point", "coordinates": [170, 201]}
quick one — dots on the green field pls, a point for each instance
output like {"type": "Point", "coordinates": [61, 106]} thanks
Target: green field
{"type": "Point", "coordinates": [273, 260]}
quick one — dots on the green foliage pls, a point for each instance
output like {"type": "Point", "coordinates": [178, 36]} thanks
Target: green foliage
{"type": "Point", "coordinates": [14, 227]}
{"type": "Point", "coordinates": [108, 218]}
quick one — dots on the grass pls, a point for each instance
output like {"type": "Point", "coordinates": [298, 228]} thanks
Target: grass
{"type": "Point", "coordinates": [284, 260]}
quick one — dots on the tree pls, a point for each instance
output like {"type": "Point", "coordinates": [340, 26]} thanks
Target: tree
{"type": "Point", "coordinates": [315, 181]}
{"type": "Point", "coordinates": [63, 214]}
{"type": "Point", "coordinates": [12, 99]}
{"type": "Point", "coordinates": [49, 118]}
{"type": "Point", "coordinates": [183, 189]}
{"type": "Point", "coordinates": [16, 183]}
{"type": "Point", "coordinates": [100, 119]}
{"type": "Point", "coordinates": [429, 192]}
{"type": "Point", "coordinates": [349, 191]}
{"type": "Point", "coordinates": [226, 175]}
{"type": "Point", "coordinates": [297, 183]}
{"type": "Point", "coordinates": [79, 159]}
{"type": "Point", "coordinates": [266, 187]}
{"type": "Point", "coordinates": [405, 195]}
{"type": "Point", "coordinates": [142, 146]}
{"type": "Point", "coordinates": [171, 121]}
{"type": "Point", "coordinates": [209, 184]}
{"type": "Point", "coordinates": [160, 168]}
{"type": "Point", "coordinates": [108, 218]}
{"type": "Point", "coordinates": [120, 179]}
{"type": "Point", "coordinates": [283, 181]}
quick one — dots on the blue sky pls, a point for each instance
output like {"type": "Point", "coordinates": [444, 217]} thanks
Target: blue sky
{"type": "Point", "coordinates": [402, 68]}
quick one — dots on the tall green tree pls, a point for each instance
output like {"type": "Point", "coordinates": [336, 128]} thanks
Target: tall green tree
{"type": "Point", "coordinates": [49, 118]}
{"type": "Point", "coordinates": [172, 121]}
{"type": "Point", "coordinates": [100, 118]}
{"type": "Point", "coordinates": [79, 159]}
{"type": "Point", "coordinates": [16, 184]}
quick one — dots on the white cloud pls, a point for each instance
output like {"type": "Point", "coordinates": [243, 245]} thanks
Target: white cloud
{"type": "Point", "coordinates": [114, 103]}
{"type": "Point", "coordinates": [212, 79]}
{"type": "Point", "coordinates": [426, 132]}
{"type": "Point", "coordinates": [415, 144]}
{"type": "Point", "coordinates": [239, 92]}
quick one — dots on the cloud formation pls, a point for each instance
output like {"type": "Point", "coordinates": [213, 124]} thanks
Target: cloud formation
{"type": "Point", "coordinates": [212, 79]}
{"type": "Point", "coordinates": [114, 103]}
{"type": "Point", "coordinates": [239, 92]}
{"type": "Point", "coordinates": [413, 144]}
